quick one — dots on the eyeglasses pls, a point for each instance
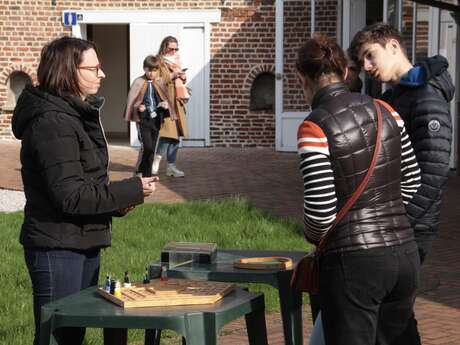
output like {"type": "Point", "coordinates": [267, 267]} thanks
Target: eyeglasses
{"type": "Point", "coordinates": [173, 49]}
{"type": "Point", "coordinates": [96, 68]}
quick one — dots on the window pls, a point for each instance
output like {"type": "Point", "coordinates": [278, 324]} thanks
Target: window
{"type": "Point", "coordinates": [263, 92]}
{"type": "Point", "coordinates": [16, 83]}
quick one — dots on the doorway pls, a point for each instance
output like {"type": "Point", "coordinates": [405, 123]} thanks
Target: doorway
{"type": "Point", "coordinates": [145, 39]}
{"type": "Point", "coordinates": [124, 39]}
{"type": "Point", "coordinates": [114, 57]}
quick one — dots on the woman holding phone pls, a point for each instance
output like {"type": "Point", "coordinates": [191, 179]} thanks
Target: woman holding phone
{"type": "Point", "coordinates": [173, 76]}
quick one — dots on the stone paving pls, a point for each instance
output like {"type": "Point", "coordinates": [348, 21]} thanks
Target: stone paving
{"type": "Point", "coordinates": [270, 180]}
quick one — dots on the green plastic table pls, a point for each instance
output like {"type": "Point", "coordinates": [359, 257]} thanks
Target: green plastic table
{"type": "Point", "coordinates": [223, 270]}
{"type": "Point", "coordinates": [199, 324]}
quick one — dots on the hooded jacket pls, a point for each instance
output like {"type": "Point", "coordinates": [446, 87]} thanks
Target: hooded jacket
{"type": "Point", "coordinates": [422, 99]}
{"type": "Point", "coordinates": [64, 157]}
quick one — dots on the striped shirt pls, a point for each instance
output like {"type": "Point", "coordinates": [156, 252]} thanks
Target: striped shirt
{"type": "Point", "coordinates": [320, 199]}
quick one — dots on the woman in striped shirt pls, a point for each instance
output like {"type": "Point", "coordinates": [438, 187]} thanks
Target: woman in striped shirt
{"type": "Point", "coordinates": [369, 267]}
{"type": "Point", "coordinates": [320, 201]}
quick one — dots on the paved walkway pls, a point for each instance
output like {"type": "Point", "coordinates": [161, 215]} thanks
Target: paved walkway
{"type": "Point", "coordinates": [270, 180]}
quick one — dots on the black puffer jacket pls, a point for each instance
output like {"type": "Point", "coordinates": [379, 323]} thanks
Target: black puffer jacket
{"type": "Point", "coordinates": [64, 156]}
{"type": "Point", "coordinates": [424, 107]}
{"type": "Point", "coordinates": [349, 121]}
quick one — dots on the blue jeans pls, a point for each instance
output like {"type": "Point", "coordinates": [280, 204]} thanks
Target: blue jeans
{"type": "Point", "coordinates": [317, 334]}
{"type": "Point", "coordinates": [168, 147]}
{"type": "Point", "coordinates": [56, 274]}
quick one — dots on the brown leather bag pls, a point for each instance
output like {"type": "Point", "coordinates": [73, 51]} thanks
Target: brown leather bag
{"type": "Point", "coordinates": [305, 277]}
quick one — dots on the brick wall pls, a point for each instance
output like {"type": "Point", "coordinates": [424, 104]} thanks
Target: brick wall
{"type": "Point", "coordinates": [242, 46]}
{"type": "Point", "coordinates": [25, 27]}
{"type": "Point", "coordinates": [422, 31]}
{"type": "Point", "coordinates": [296, 30]}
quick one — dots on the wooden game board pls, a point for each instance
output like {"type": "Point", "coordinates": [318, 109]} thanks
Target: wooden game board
{"type": "Point", "coordinates": [264, 263]}
{"type": "Point", "coordinates": [168, 293]}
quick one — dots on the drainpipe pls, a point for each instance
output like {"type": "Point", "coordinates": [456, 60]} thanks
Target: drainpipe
{"type": "Point", "coordinates": [312, 17]}
{"type": "Point", "coordinates": [456, 16]}
{"type": "Point", "coordinates": [414, 32]}
{"type": "Point", "coordinates": [279, 70]}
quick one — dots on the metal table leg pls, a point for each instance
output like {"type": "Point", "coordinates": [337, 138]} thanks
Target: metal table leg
{"type": "Point", "coordinates": [115, 336]}
{"type": "Point", "coordinates": [256, 327]}
{"type": "Point", "coordinates": [291, 311]}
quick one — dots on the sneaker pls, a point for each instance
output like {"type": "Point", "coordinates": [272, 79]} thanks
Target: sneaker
{"type": "Point", "coordinates": [156, 164]}
{"type": "Point", "coordinates": [172, 170]}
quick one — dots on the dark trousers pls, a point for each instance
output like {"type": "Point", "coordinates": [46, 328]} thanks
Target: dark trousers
{"type": "Point", "coordinates": [149, 134]}
{"type": "Point", "coordinates": [56, 274]}
{"type": "Point", "coordinates": [411, 336]}
{"type": "Point", "coordinates": [367, 295]}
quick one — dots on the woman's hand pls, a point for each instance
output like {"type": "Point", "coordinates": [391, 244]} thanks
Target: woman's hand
{"type": "Point", "coordinates": [148, 184]}
{"type": "Point", "coordinates": [182, 76]}
{"type": "Point", "coordinates": [163, 104]}
{"type": "Point", "coordinates": [122, 212]}
{"type": "Point", "coordinates": [141, 108]}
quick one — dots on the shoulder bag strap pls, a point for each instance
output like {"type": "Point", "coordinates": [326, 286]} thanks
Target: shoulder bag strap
{"type": "Point", "coordinates": [344, 210]}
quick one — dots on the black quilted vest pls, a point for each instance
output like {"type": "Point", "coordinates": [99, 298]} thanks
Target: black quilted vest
{"type": "Point", "coordinates": [378, 218]}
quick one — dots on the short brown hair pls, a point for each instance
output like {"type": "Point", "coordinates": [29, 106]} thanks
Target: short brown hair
{"type": "Point", "coordinates": [379, 33]}
{"type": "Point", "coordinates": [321, 55]}
{"type": "Point", "coordinates": [59, 61]}
{"type": "Point", "coordinates": [151, 62]}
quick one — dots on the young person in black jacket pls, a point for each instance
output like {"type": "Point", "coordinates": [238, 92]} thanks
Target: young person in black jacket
{"type": "Point", "coordinates": [69, 198]}
{"type": "Point", "coordinates": [420, 94]}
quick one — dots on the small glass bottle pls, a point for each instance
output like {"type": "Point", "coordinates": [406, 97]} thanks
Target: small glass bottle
{"type": "Point", "coordinates": [164, 274]}
{"type": "Point", "coordinates": [126, 281]}
{"type": "Point", "coordinates": [117, 291]}
{"type": "Point", "coordinates": [107, 283]}
{"type": "Point", "coordinates": [146, 276]}
{"type": "Point", "coordinates": [112, 286]}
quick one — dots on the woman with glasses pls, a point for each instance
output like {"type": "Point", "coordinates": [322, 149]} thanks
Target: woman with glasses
{"type": "Point", "coordinates": [174, 125]}
{"type": "Point", "coordinates": [70, 201]}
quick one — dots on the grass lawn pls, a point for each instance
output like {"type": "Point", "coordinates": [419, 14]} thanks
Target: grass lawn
{"type": "Point", "coordinates": [137, 240]}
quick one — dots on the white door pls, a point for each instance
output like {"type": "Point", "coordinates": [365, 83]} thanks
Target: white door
{"type": "Point", "coordinates": [192, 49]}
{"type": "Point", "coordinates": [287, 122]}
{"type": "Point", "coordinates": [145, 39]}
{"type": "Point", "coordinates": [354, 19]}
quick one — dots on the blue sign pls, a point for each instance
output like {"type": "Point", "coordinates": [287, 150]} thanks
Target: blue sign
{"type": "Point", "coordinates": [69, 18]}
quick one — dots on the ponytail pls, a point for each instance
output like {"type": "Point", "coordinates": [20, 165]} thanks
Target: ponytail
{"type": "Point", "coordinates": [319, 56]}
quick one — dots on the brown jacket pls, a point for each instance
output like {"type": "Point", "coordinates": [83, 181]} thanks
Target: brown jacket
{"type": "Point", "coordinates": [175, 125]}
{"type": "Point", "coordinates": [134, 100]}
